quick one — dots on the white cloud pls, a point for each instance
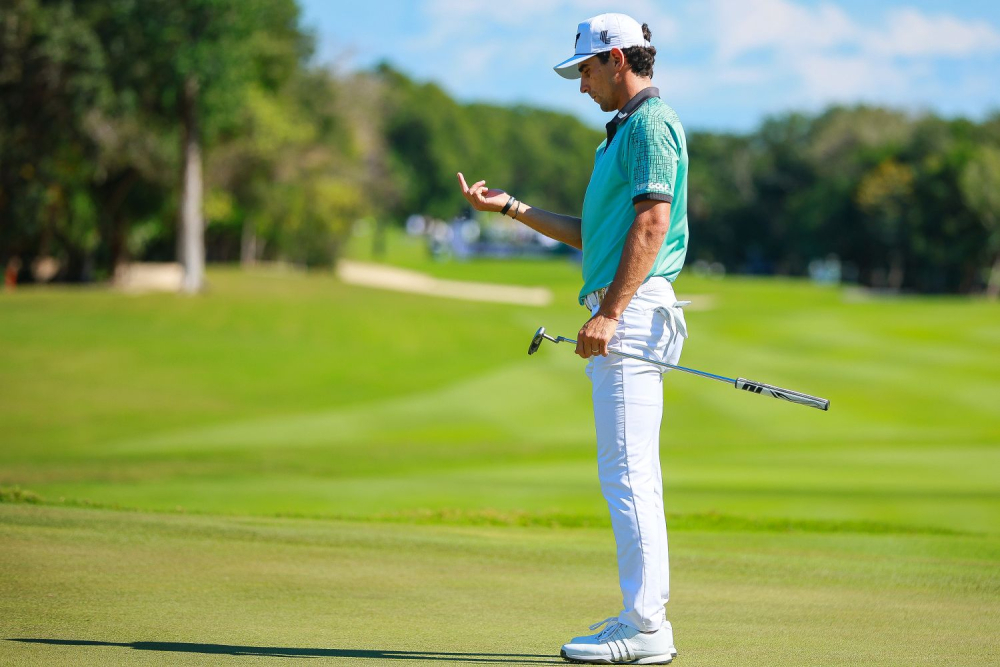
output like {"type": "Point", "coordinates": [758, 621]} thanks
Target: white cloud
{"type": "Point", "coordinates": [911, 33]}
{"type": "Point", "coordinates": [819, 54]}
{"type": "Point", "coordinates": [786, 26]}
{"type": "Point", "coordinates": [839, 78]}
{"type": "Point", "coordinates": [743, 27]}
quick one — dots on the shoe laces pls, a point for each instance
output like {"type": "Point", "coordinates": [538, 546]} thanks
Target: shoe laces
{"type": "Point", "coordinates": [613, 624]}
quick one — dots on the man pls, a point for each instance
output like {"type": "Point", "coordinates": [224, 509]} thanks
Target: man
{"type": "Point", "coordinates": [633, 234]}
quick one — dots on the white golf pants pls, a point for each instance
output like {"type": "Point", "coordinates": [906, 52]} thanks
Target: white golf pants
{"type": "Point", "coordinates": [628, 406]}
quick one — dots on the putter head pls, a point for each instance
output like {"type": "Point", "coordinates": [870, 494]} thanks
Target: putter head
{"type": "Point", "coordinates": [537, 340]}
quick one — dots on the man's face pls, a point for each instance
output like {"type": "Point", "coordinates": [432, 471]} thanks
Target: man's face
{"type": "Point", "coordinates": [597, 80]}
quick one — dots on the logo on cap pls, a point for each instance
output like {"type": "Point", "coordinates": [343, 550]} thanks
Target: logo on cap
{"type": "Point", "coordinates": [604, 37]}
{"type": "Point", "coordinates": [576, 42]}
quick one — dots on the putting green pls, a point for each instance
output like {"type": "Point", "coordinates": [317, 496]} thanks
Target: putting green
{"type": "Point", "coordinates": [105, 587]}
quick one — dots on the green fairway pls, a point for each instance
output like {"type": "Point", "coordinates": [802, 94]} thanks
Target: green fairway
{"type": "Point", "coordinates": [377, 471]}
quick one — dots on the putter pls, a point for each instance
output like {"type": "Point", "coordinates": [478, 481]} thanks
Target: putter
{"type": "Point", "coordinates": [739, 383]}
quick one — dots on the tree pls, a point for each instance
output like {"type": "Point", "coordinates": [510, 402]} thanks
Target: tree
{"type": "Point", "coordinates": [298, 171]}
{"type": "Point", "coordinates": [885, 194]}
{"type": "Point", "coordinates": [185, 63]}
{"type": "Point", "coordinates": [52, 75]}
{"type": "Point", "coordinates": [543, 157]}
{"type": "Point", "coordinates": [980, 184]}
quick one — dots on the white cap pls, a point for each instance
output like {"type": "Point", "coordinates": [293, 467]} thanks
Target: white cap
{"type": "Point", "coordinates": [599, 34]}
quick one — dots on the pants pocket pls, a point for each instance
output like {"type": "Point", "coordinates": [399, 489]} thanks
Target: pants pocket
{"type": "Point", "coordinates": [674, 330]}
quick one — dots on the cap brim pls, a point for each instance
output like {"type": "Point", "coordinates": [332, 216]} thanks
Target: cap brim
{"type": "Point", "coordinates": [567, 69]}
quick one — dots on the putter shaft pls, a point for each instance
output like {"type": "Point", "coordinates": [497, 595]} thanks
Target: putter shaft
{"type": "Point", "coordinates": [720, 378]}
{"type": "Point", "coordinates": [739, 383]}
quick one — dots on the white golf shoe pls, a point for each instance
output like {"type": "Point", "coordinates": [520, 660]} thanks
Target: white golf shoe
{"type": "Point", "coordinates": [622, 644]}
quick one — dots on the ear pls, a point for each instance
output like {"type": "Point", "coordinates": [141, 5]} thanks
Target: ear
{"type": "Point", "coordinates": [618, 57]}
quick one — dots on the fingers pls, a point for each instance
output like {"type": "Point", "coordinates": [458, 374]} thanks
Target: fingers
{"type": "Point", "coordinates": [594, 337]}
{"type": "Point", "coordinates": [588, 349]}
{"type": "Point", "coordinates": [587, 346]}
{"type": "Point", "coordinates": [476, 187]}
{"type": "Point", "coordinates": [582, 344]}
{"type": "Point", "coordinates": [475, 192]}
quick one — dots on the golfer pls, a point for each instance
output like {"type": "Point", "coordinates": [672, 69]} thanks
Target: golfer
{"type": "Point", "coordinates": [634, 235]}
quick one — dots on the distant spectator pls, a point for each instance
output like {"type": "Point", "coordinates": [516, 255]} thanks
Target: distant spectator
{"type": "Point", "coordinates": [10, 273]}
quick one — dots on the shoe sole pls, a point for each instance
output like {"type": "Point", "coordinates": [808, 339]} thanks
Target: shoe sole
{"type": "Point", "coordinates": [651, 660]}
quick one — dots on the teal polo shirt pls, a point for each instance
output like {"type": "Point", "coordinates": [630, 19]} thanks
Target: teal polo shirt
{"type": "Point", "coordinates": [644, 157]}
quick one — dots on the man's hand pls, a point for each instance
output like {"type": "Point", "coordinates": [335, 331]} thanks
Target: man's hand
{"type": "Point", "coordinates": [481, 198]}
{"type": "Point", "coordinates": [594, 336]}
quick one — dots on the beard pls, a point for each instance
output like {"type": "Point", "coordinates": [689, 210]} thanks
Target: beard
{"type": "Point", "coordinates": [604, 104]}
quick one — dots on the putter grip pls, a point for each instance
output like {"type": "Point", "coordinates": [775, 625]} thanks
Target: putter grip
{"type": "Point", "coordinates": [784, 394]}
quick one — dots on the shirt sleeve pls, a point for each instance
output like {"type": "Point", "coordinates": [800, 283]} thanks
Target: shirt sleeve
{"type": "Point", "coordinates": [652, 161]}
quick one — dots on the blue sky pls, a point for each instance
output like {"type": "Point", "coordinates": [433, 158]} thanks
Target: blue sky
{"type": "Point", "coordinates": [723, 64]}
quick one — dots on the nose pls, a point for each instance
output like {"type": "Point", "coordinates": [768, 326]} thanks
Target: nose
{"type": "Point", "coordinates": [583, 86]}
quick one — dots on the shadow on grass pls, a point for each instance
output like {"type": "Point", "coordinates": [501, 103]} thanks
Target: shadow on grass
{"type": "Point", "coordinates": [279, 652]}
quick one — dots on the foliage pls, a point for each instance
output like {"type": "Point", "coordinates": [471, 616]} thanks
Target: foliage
{"type": "Point", "coordinates": [544, 157]}
{"type": "Point", "coordinates": [890, 195]}
{"type": "Point", "coordinates": [52, 73]}
{"type": "Point", "coordinates": [293, 175]}
{"type": "Point", "coordinates": [93, 119]}
{"type": "Point", "coordinates": [980, 183]}
{"type": "Point", "coordinates": [96, 96]}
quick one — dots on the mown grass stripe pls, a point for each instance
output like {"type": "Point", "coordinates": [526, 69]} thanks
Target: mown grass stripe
{"type": "Point", "coordinates": [696, 521]}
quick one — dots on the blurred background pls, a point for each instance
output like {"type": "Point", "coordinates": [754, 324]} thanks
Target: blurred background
{"type": "Point", "coordinates": [852, 142]}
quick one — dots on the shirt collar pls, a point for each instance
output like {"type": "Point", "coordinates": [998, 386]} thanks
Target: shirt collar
{"type": "Point", "coordinates": [628, 110]}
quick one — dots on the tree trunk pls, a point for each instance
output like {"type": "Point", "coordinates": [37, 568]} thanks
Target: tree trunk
{"type": "Point", "coordinates": [993, 286]}
{"type": "Point", "coordinates": [248, 244]}
{"type": "Point", "coordinates": [118, 231]}
{"type": "Point", "coordinates": [379, 239]}
{"type": "Point", "coordinates": [192, 244]}
{"type": "Point", "coordinates": [897, 265]}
